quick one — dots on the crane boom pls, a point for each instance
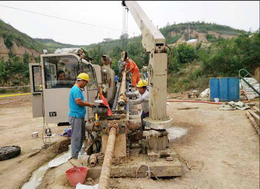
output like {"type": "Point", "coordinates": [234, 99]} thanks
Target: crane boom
{"type": "Point", "coordinates": [150, 34]}
{"type": "Point", "coordinates": [153, 42]}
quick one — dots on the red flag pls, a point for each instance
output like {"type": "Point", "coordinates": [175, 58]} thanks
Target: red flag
{"type": "Point", "coordinates": [109, 112]}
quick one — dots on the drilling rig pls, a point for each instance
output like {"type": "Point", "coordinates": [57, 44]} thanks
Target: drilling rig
{"type": "Point", "coordinates": [117, 145]}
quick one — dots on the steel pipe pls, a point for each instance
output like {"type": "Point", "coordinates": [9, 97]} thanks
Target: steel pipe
{"type": "Point", "coordinates": [93, 160]}
{"type": "Point", "coordinates": [116, 96]}
{"type": "Point", "coordinates": [127, 90]}
{"type": "Point", "coordinates": [121, 98]}
{"type": "Point", "coordinates": [105, 172]}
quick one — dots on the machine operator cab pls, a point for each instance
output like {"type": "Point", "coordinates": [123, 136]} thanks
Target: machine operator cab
{"type": "Point", "coordinates": [51, 81]}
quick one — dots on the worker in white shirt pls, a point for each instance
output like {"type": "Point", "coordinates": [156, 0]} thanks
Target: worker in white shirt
{"type": "Point", "coordinates": [143, 98]}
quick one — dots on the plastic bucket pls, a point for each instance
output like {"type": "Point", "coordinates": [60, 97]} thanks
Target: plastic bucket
{"type": "Point", "coordinates": [76, 175]}
{"type": "Point", "coordinates": [216, 99]}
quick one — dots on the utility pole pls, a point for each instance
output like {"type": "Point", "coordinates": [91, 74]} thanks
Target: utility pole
{"type": "Point", "coordinates": [125, 35]}
{"type": "Point", "coordinates": [189, 31]}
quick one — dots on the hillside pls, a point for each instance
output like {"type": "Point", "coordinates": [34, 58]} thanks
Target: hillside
{"type": "Point", "coordinates": [14, 42]}
{"type": "Point", "coordinates": [52, 45]}
{"type": "Point", "coordinates": [17, 43]}
{"type": "Point", "coordinates": [219, 51]}
{"type": "Point", "coordinates": [206, 32]}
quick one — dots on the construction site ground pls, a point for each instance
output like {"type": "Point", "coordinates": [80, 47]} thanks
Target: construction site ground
{"type": "Point", "coordinates": [219, 150]}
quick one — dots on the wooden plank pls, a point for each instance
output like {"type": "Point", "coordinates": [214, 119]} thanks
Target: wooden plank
{"type": "Point", "coordinates": [253, 122]}
{"type": "Point", "coordinates": [254, 115]}
{"type": "Point", "coordinates": [257, 109]}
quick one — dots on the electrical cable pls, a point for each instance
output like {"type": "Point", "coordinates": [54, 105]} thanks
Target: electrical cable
{"type": "Point", "coordinates": [60, 18]}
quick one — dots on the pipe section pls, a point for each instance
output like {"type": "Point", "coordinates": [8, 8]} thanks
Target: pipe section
{"type": "Point", "coordinates": [127, 90]}
{"type": "Point", "coordinates": [121, 98]}
{"type": "Point", "coordinates": [105, 172]}
{"type": "Point", "coordinates": [93, 160]}
{"type": "Point", "coordinates": [116, 96]}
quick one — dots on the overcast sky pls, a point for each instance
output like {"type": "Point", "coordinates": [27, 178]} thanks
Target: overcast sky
{"type": "Point", "coordinates": [237, 14]}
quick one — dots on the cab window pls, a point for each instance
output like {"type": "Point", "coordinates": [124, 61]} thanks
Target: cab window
{"type": "Point", "coordinates": [60, 71]}
{"type": "Point", "coordinates": [37, 82]}
{"type": "Point", "coordinates": [88, 69]}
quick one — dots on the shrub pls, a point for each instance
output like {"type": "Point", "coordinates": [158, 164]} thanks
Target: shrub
{"type": "Point", "coordinates": [8, 40]}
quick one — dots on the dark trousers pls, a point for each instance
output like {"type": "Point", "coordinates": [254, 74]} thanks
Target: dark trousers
{"type": "Point", "coordinates": [144, 115]}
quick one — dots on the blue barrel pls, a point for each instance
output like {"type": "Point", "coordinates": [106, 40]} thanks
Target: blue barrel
{"type": "Point", "coordinates": [226, 89]}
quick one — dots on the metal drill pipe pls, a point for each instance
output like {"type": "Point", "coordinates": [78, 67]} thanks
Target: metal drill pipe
{"type": "Point", "coordinates": [105, 172]}
{"type": "Point", "coordinates": [123, 84]}
{"type": "Point", "coordinates": [121, 100]}
{"type": "Point", "coordinates": [127, 90]}
{"type": "Point", "coordinates": [116, 96]}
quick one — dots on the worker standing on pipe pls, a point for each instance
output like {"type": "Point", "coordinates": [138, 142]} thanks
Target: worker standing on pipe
{"type": "Point", "coordinates": [143, 99]}
{"type": "Point", "coordinates": [131, 67]}
{"type": "Point", "coordinates": [77, 105]}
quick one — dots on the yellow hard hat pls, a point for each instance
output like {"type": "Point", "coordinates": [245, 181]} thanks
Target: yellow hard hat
{"type": "Point", "coordinates": [142, 83]}
{"type": "Point", "coordinates": [83, 76]}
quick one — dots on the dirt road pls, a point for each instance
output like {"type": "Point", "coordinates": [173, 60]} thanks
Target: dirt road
{"type": "Point", "coordinates": [220, 149]}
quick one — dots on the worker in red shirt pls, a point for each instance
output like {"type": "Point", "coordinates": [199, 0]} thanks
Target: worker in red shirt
{"type": "Point", "coordinates": [131, 67]}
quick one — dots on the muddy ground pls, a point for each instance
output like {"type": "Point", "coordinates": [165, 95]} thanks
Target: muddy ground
{"type": "Point", "coordinates": [220, 149]}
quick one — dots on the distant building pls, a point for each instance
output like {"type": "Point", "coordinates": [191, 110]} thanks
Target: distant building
{"type": "Point", "coordinates": [107, 39]}
{"type": "Point", "coordinates": [192, 41]}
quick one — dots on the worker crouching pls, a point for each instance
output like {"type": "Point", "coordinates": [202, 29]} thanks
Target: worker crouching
{"type": "Point", "coordinates": [143, 99]}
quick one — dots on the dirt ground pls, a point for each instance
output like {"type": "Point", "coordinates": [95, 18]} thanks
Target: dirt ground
{"type": "Point", "coordinates": [219, 150]}
{"type": "Point", "coordinates": [16, 127]}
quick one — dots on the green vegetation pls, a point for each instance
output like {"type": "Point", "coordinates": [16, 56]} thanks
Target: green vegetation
{"type": "Point", "coordinates": [14, 71]}
{"type": "Point", "coordinates": [200, 27]}
{"type": "Point", "coordinates": [222, 59]}
{"type": "Point", "coordinates": [189, 66]}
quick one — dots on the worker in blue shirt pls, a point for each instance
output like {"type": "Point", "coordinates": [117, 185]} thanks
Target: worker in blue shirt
{"type": "Point", "coordinates": [77, 105]}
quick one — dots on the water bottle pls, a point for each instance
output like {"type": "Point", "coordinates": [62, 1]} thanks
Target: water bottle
{"type": "Point", "coordinates": [85, 159]}
{"type": "Point", "coordinates": [80, 154]}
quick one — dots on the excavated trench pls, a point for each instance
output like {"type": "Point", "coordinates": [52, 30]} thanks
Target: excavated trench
{"type": "Point", "coordinates": [37, 175]}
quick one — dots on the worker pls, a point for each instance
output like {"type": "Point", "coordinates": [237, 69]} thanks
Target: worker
{"type": "Point", "coordinates": [131, 67]}
{"type": "Point", "coordinates": [143, 98]}
{"type": "Point", "coordinates": [77, 105]}
{"type": "Point", "coordinates": [106, 60]}
{"type": "Point", "coordinates": [62, 82]}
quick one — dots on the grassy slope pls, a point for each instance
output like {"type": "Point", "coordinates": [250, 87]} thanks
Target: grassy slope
{"type": "Point", "coordinates": [21, 39]}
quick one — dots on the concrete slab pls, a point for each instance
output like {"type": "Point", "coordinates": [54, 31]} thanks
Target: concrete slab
{"type": "Point", "coordinates": [162, 153]}
{"type": "Point", "coordinates": [160, 168]}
